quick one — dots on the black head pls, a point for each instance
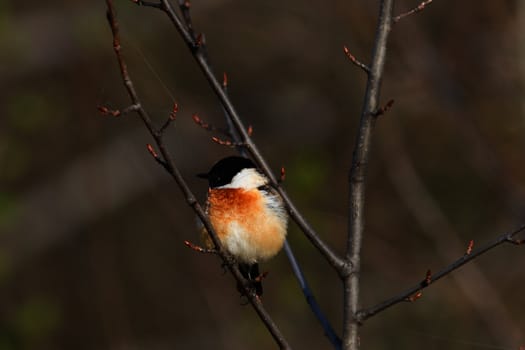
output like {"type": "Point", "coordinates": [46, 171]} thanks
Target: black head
{"type": "Point", "coordinates": [225, 169]}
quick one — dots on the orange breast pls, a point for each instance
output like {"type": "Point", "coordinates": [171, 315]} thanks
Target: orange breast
{"type": "Point", "coordinates": [246, 228]}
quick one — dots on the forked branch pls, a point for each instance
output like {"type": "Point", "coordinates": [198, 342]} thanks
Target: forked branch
{"type": "Point", "coordinates": [357, 178]}
{"type": "Point", "coordinates": [167, 161]}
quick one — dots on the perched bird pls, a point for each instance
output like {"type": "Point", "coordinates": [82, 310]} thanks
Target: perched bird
{"type": "Point", "coordinates": [247, 214]}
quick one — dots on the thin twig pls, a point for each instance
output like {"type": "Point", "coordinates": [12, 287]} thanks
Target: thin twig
{"type": "Point", "coordinates": [170, 166]}
{"type": "Point", "coordinates": [155, 156]}
{"type": "Point", "coordinates": [200, 249]}
{"type": "Point", "coordinates": [171, 118]}
{"type": "Point", "coordinates": [117, 112]}
{"type": "Point", "coordinates": [227, 142]}
{"type": "Point", "coordinates": [357, 179]}
{"type": "Point", "coordinates": [185, 6]}
{"type": "Point", "coordinates": [415, 10]}
{"type": "Point", "coordinates": [355, 61]}
{"type": "Point", "coordinates": [365, 314]}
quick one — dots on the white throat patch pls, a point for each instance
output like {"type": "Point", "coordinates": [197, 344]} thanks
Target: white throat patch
{"type": "Point", "coordinates": [247, 179]}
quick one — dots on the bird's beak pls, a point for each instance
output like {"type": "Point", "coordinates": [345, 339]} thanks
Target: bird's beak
{"type": "Point", "coordinates": [203, 175]}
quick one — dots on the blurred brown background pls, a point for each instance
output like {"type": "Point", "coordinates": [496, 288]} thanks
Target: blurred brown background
{"type": "Point", "coordinates": [91, 228]}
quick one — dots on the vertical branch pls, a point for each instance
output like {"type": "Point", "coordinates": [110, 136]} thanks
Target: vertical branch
{"type": "Point", "coordinates": [357, 178]}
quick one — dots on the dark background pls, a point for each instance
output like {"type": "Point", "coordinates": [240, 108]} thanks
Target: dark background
{"type": "Point", "coordinates": [92, 229]}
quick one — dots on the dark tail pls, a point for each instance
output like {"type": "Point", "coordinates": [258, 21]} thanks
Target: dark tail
{"type": "Point", "coordinates": [252, 274]}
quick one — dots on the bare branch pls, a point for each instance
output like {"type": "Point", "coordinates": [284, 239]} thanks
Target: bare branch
{"type": "Point", "coordinates": [171, 118]}
{"type": "Point", "coordinates": [357, 179]}
{"type": "Point", "coordinates": [207, 126]}
{"type": "Point", "coordinates": [170, 166]}
{"type": "Point", "coordinates": [364, 314]}
{"type": "Point", "coordinates": [415, 10]}
{"type": "Point", "coordinates": [226, 142]}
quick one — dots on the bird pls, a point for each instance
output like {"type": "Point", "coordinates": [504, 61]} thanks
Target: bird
{"type": "Point", "coordinates": [247, 214]}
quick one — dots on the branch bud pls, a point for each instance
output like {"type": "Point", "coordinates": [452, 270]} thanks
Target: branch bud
{"type": "Point", "coordinates": [152, 151]}
{"type": "Point", "coordinates": [469, 247]}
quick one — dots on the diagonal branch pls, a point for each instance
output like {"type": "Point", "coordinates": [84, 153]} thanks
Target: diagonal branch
{"type": "Point", "coordinates": [310, 298]}
{"type": "Point", "coordinates": [236, 141]}
{"type": "Point", "coordinates": [170, 166]}
{"type": "Point", "coordinates": [434, 224]}
{"type": "Point", "coordinates": [365, 314]}
{"type": "Point", "coordinates": [357, 178]}
{"type": "Point", "coordinates": [237, 133]}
